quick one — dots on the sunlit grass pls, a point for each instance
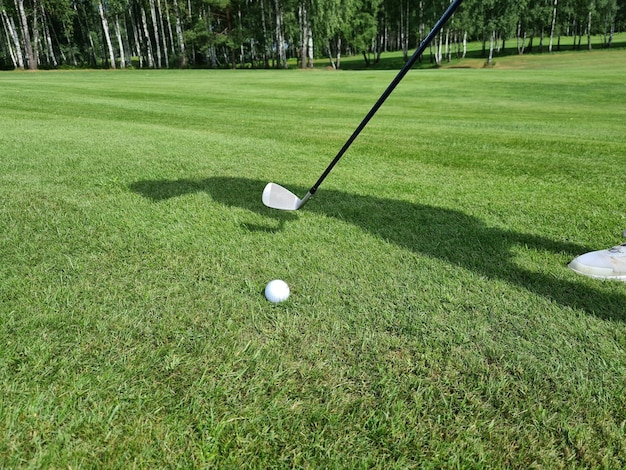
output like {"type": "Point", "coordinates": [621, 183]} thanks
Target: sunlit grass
{"type": "Point", "coordinates": [432, 321]}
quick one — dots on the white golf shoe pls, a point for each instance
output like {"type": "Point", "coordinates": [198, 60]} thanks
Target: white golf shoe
{"type": "Point", "coordinates": [602, 264]}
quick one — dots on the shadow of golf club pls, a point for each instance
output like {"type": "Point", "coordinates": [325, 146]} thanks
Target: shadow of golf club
{"type": "Point", "coordinates": [446, 234]}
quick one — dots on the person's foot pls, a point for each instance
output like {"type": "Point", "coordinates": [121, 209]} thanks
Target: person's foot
{"type": "Point", "coordinates": [602, 264]}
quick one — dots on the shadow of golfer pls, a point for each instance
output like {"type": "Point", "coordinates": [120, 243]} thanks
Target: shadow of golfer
{"type": "Point", "coordinates": [235, 192]}
{"type": "Point", "coordinates": [447, 234]}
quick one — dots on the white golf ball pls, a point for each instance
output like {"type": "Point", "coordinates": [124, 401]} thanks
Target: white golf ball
{"type": "Point", "coordinates": [276, 291]}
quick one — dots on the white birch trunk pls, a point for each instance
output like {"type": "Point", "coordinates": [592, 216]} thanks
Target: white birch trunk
{"type": "Point", "coordinates": [147, 36]}
{"type": "Point", "coordinates": [107, 36]}
{"type": "Point", "coordinates": [11, 33]}
{"type": "Point", "coordinates": [169, 27]}
{"type": "Point", "coordinates": [36, 33]}
{"type": "Point", "coordinates": [464, 43]}
{"type": "Point", "coordinates": [303, 34]}
{"type": "Point", "coordinates": [553, 26]}
{"type": "Point", "coordinates": [163, 37]}
{"type": "Point", "coordinates": [179, 34]}
{"type": "Point", "coordinates": [521, 40]}
{"type": "Point", "coordinates": [9, 38]}
{"type": "Point", "coordinates": [330, 56]}
{"type": "Point", "coordinates": [306, 37]}
{"type": "Point", "coordinates": [212, 54]}
{"type": "Point", "coordinates": [280, 37]}
{"type": "Point", "coordinates": [134, 28]}
{"type": "Point", "coordinates": [338, 52]}
{"type": "Point", "coordinates": [155, 26]}
{"type": "Point", "coordinates": [589, 30]}
{"type": "Point", "coordinates": [438, 48]}
{"type": "Point", "coordinates": [310, 46]}
{"type": "Point", "coordinates": [31, 61]}
{"type": "Point", "coordinates": [48, 38]}
{"type": "Point", "coordinates": [264, 26]}
{"type": "Point", "coordinates": [491, 41]}
{"type": "Point", "coordinates": [120, 43]}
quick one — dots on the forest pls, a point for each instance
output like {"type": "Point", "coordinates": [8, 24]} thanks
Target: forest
{"type": "Point", "coordinates": [113, 34]}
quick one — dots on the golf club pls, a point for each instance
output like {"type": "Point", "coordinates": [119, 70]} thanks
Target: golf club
{"type": "Point", "coordinates": [277, 197]}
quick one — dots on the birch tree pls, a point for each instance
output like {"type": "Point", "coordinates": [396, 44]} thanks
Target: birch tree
{"type": "Point", "coordinates": [281, 57]}
{"type": "Point", "coordinates": [146, 32]}
{"type": "Point", "coordinates": [107, 36]}
{"type": "Point", "coordinates": [120, 43]}
{"type": "Point", "coordinates": [14, 49]}
{"type": "Point", "coordinates": [306, 34]}
{"type": "Point", "coordinates": [29, 55]}
{"type": "Point", "coordinates": [179, 35]}
{"type": "Point", "coordinates": [553, 25]}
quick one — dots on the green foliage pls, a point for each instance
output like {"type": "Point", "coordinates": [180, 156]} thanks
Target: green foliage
{"type": "Point", "coordinates": [433, 321]}
{"type": "Point", "coordinates": [248, 32]}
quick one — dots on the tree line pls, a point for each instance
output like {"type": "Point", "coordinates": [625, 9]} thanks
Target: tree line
{"type": "Point", "coordinates": [267, 33]}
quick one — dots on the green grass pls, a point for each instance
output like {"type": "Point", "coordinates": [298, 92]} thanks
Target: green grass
{"type": "Point", "coordinates": [433, 321]}
{"type": "Point", "coordinates": [476, 57]}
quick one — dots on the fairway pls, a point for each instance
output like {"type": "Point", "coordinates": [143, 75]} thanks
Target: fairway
{"type": "Point", "coordinates": [432, 320]}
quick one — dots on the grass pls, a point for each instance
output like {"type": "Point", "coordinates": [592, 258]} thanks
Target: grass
{"type": "Point", "coordinates": [433, 321]}
{"type": "Point", "coordinates": [476, 57]}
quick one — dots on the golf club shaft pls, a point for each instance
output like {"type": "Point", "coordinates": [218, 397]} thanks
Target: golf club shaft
{"type": "Point", "coordinates": [418, 52]}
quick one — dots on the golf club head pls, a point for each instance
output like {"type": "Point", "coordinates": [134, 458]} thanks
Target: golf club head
{"type": "Point", "coordinates": [277, 197]}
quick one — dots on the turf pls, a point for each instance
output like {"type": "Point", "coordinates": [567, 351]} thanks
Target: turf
{"type": "Point", "coordinates": [433, 321]}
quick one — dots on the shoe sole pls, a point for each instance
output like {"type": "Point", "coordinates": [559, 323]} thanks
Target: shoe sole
{"type": "Point", "coordinates": [607, 277]}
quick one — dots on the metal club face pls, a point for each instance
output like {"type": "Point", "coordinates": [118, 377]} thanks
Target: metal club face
{"type": "Point", "coordinates": [277, 197]}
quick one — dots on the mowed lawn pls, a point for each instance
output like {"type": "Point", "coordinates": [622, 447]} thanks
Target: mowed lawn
{"type": "Point", "coordinates": [433, 321]}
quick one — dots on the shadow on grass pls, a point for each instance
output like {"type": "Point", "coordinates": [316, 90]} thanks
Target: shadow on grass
{"type": "Point", "coordinates": [442, 233]}
{"type": "Point", "coordinates": [395, 61]}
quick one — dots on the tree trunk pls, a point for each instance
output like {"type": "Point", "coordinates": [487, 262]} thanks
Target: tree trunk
{"type": "Point", "coordinates": [330, 56]}
{"type": "Point", "coordinates": [521, 41]}
{"type": "Point", "coordinates": [148, 40]}
{"type": "Point", "coordinates": [169, 26]}
{"type": "Point", "coordinates": [9, 37]}
{"type": "Point", "coordinates": [120, 43]}
{"type": "Point", "coordinates": [589, 30]}
{"type": "Point", "coordinates": [438, 48]}
{"type": "Point", "coordinates": [135, 47]}
{"type": "Point", "coordinates": [309, 46]}
{"type": "Point", "coordinates": [31, 60]}
{"type": "Point", "coordinates": [155, 27]}
{"type": "Point", "coordinates": [303, 34]}
{"type": "Point", "coordinates": [281, 59]}
{"type": "Point", "coordinates": [338, 52]}
{"type": "Point", "coordinates": [266, 63]}
{"type": "Point", "coordinates": [163, 37]}
{"type": "Point", "coordinates": [404, 32]}
{"type": "Point", "coordinates": [553, 26]}
{"type": "Point", "coordinates": [48, 37]}
{"type": "Point", "coordinates": [306, 37]}
{"type": "Point", "coordinates": [179, 34]}
{"type": "Point", "coordinates": [36, 33]}
{"type": "Point", "coordinates": [107, 36]}
{"type": "Point", "coordinates": [464, 44]}
{"type": "Point", "coordinates": [18, 59]}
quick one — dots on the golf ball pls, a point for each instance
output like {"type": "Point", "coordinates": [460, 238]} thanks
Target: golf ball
{"type": "Point", "coordinates": [276, 291]}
